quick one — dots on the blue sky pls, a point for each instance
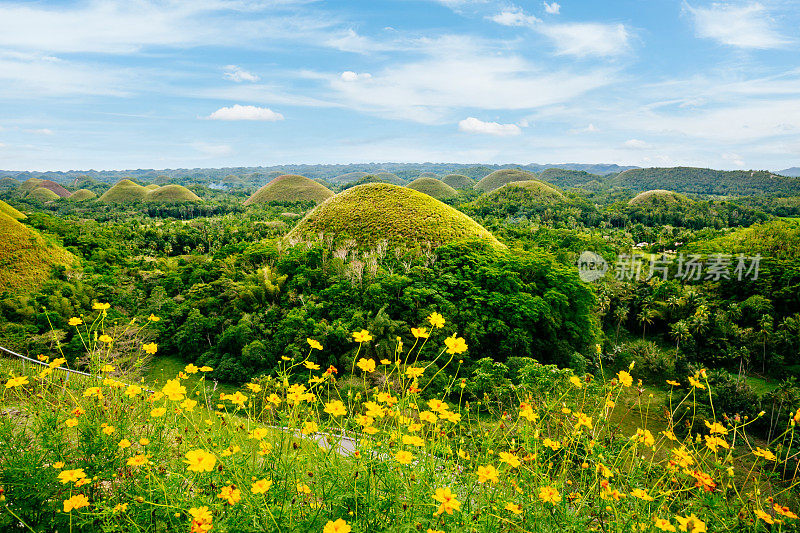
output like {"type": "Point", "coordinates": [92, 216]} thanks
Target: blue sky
{"type": "Point", "coordinates": [119, 84]}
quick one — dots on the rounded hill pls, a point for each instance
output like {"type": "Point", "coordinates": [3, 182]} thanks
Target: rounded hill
{"type": "Point", "coordinates": [43, 195]}
{"type": "Point", "coordinates": [498, 178]}
{"type": "Point", "coordinates": [8, 183]}
{"type": "Point", "coordinates": [528, 191]}
{"type": "Point", "coordinates": [459, 181]}
{"type": "Point", "coordinates": [657, 197]}
{"type": "Point", "coordinates": [371, 213]}
{"type": "Point", "coordinates": [27, 258]}
{"type": "Point", "coordinates": [290, 188]}
{"type": "Point", "coordinates": [30, 184]}
{"type": "Point", "coordinates": [433, 187]}
{"type": "Point", "coordinates": [55, 187]}
{"type": "Point", "coordinates": [124, 191]}
{"type": "Point", "coordinates": [81, 195]}
{"type": "Point", "coordinates": [171, 193]}
{"type": "Point", "coordinates": [151, 187]}
{"type": "Point", "coordinates": [349, 177]}
{"type": "Point", "coordinates": [10, 211]}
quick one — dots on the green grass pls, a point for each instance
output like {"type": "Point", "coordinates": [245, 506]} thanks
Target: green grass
{"type": "Point", "coordinates": [657, 196]}
{"type": "Point", "coordinates": [525, 193]}
{"type": "Point", "coordinates": [26, 258]}
{"type": "Point", "coordinates": [499, 178]}
{"type": "Point", "coordinates": [459, 181]}
{"type": "Point", "coordinates": [164, 367]}
{"type": "Point", "coordinates": [43, 195]}
{"type": "Point", "coordinates": [433, 187]}
{"type": "Point", "coordinates": [760, 385]}
{"type": "Point", "coordinates": [30, 184]}
{"type": "Point", "coordinates": [81, 195]}
{"type": "Point", "coordinates": [10, 211]}
{"type": "Point", "coordinates": [170, 193]}
{"type": "Point", "coordinates": [372, 213]}
{"type": "Point", "coordinates": [124, 191]}
{"type": "Point", "coordinates": [290, 188]}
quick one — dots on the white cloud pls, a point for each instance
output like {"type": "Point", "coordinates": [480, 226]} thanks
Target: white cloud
{"type": "Point", "coordinates": [636, 144]}
{"type": "Point", "coordinates": [553, 8]}
{"type": "Point", "coordinates": [349, 75]}
{"type": "Point", "coordinates": [351, 41]}
{"type": "Point", "coordinates": [213, 150]}
{"type": "Point", "coordinates": [587, 38]}
{"type": "Point", "coordinates": [744, 26]}
{"type": "Point", "coordinates": [514, 16]}
{"type": "Point", "coordinates": [42, 131]}
{"type": "Point", "coordinates": [736, 159]}
{"type": "Point", "coordinates": [473, 125]}
{"type": "Point", "coordinates": [238, 74]}
{"type": "Point", "coordinates": [245, 112]}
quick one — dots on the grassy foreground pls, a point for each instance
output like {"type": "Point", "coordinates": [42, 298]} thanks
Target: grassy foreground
{"type": "Point", "coordinates": [371, 448]}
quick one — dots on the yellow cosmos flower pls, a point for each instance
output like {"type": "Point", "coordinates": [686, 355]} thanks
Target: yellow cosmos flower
{"type": "Point", "coordinates": [158, 412]}
{"type": "Point", "coordinates": [455, 345]}
{"type": "Point", "coordinates": [549, 495]}
{"type": "Point", "coordinates": [642, 495]}
{"type": "Point", "coordinates": [71, 422]}
{"type": "Point", "coordinates": [105, 338]}
{"type": "Point", "coordinates": [190, 369]}
{"type": "Point", "coordinates": [310, 365]}
{"type": "Point", "coordinates": [137, 460]}
{"type": "Point", "coordinates": [583, 420]}
{"type": "Point", "coordinates": [436, 320]}
{"type": "Point", "coordinates": [766, 454]}
{"type": "Point", "coordinates": [625, 378]}
{"type": "Point", "coordinates": [108, 430]}
{"type": "Point", "coordinates": [206, 368]}
{"type": "Point", "coordinates": [509, 458]}
{"type": "Point", "coordinates": [335, 408]}
{"type": "Point", "coordinates": [314, 344]}
{"type": "Point", "coordinates": [302, 488]}
{"type": "Point", "coordinates": [552, 444]}
{"type": "Point", "coordinates": [576, 382]}
{"type": "Point", "coordinates": [255, 388]}
{"type": "Point", "coordinates": [784, 511]}
{"type": "Point", "coordinates": [200, 461]}
{"type": "Point", "coordinates": [188, 404]}
{"type": "Point", "coordinates": [261, 486]}
{"type": "Point", "coordinates": [153, 318]}
{"type": "Point", "coordinates": [16, 382]}
{"type": "Point", "coordinates": [120, 508]}
{"type": "Point", "coordinates": [366, 365]}
{"type": "Point", "coordinates": [717, 428]}
{"type": "Point", "coordinates": [695, 382]}
{"type": "Point", "coordinates": [420, 333]}
{"type": "Point", "coordinates": [403, 457]}
{"type": "Point", "coordinates": [691, 523]}
{"type": "Point", "coordinates": [132, 391]}
{"type": "Point", "coordinates": [173, 390]}
{"type": "Point", "coordinates": [663, 524]}
{"type": "Point", "coordinates": [487, 473]}
{"type": "Point", "coordinates": [70, 476]}
{"type": "Point", "coordinates": [447, 501]}
{"type": "Point", "coordinates": [76, 502]}
{"type": "Point", "coordinates": [428, 416]}
{"type": "Point", "coordinates": [201, 519]}
{"type": "Point", "coordinates": [513, 507]}
{"type": "Point", "coordinates": [57, 362]}
{"type": "Point", "coordinates": [414, 372]}
{"type": "Point", "coordinates": [144, 442]}
{"type": "Point", "coordinates": [75, 321]}
{"type": "Point", "coordinates": [339, 526]}
{"type": "Point", "coordinates": [674, 384]}
{"type": "Point", "coordinates": [645, 437]}
{"type": "Point", "coordinates": [124, 443]}
{"type": "Point", "coordinates": [413, 440]}
{"type": "Point", "coordinates": [309, 427]}
{"type": "Point", "coordinates": [230, 494]}
{"type": "Point", "coordinates": [101, 306]}
{"type": "Point", "coordinates": [362, 336]}
{"type": "Point", "coordinates": [93, 391]}
{"type": "Point", "coordinates": [150, 348]}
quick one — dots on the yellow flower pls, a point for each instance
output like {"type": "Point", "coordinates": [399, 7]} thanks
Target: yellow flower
{"type": "Point", "coordinates": [153, 318]}
{"type": "Point", "coordinates": [76, 502]}
{"type": "Point", "coordinates": [314, 344]}
{"type": "Point", "coordinates": [682, 457]}
{"type": "Point", "coordinates": [133, 391]}
{"type": "Point", "coordinates": [362, 336]}
{"type": "Point", "coordinates": [93, 391]}
{"type": "Point", "coordinates": [674, 384]}
{"type": "Point", "coordinates": [120, 508]}
{"type": "Point", "coordinates": [158, 412]}
{"type": "Point", "coordinates": [716, 427]}
{"type": "Point", "coordinates": [576, 382]}
{"type": "Point", "coordinates": [645, 437]}
{"type": "Point", "coordinates": [583, 420]}
{"type": "Point", "coordinates": [58, 464]}
{"type": "Point", "coordinates": [255, 388]}
{"type": "Point", "coordinates": [70, 476]}
{"type": "Point", "coordinates": [625, 378]}
{"type": "Point", "coordinates": [447, 500]}
{"type": "Point", "coordinates": [366, 365]}
{"type": "Point", "coordinates": [663, 524]}
{"type": "Point", "coordinates": [206, 368]}
{"type": "Point", "coordinates": [150, 348]}
{"type": "Point", "coordinates": [403, 457]}
{"type": "Point", "coordinates": [105, 338]}
{"type": "Point", "coordinates": [487, 473]}
{"type": "Point", "coordinates": [766, 454]}
{"type": "Point", "coordinates": [137, 460]}
{"type": "Point", "coordinates": [75, 321]}
{"type": "Point", "coordinates": [335, 408]}
{"type": "Point", "coordinates": [552, 444]}
{"type": "Point", "coordinates": [57, 362]}
{"type": "Point", "coordinates": [311, 366]}
{"type": "Point", "coordinates": [436, 320]}
{"type": "Point", "coordinates": [188, 404]}
{"type": "Point", "coordinates": [190, 369]}
{"type": "Point", "coordinates": [237, 398]}
{"type": "Point", "coordinates": [420, 333]}
{"type": "Point", "coordinates": [201, 519]}
{"type": "Point", "coordinates": [16, 382]}
{"type": "Point", "coordinates": [173, 390]}
{"type": "Point", "coordinates": [691, 523]}
{"type": "Point", "coordinates": [144, 442]}
{"type": "Point", "coordinates": [784, 511]}
{"type": "Point", "coordinates": [124, 443]}
{"type": "Point", "coordinates": [513, 507]}
{"type": "Point", "coordinates": [274, 399]}
{"type": "Point", "coordinates": [200, 461]}
{"type": "Point", "coordinates": [509, 458]}
{"type": "Point", "coordinates": [694, 382]}
{"type": "Point", "coordinates": [549, 494]}
{"type": "Point", "coordinates": [231, 494]}
{"type": "Point", "coordinates": [414, 372]}
{"type": "Point", "coordinates": [764, 516]}
{"type": "Point", "coordinates": [455, 345]}
{"type": "Point", "coordinates": [642, 495]}
{"type": "Point", "coordinates": [428, 416]}
{"type": "Point", "coordinates": [340, 526]}
{"type": "Point", "coordinates": [108, 430]}
{"type": "Point", "coordinates": [714, 442]}
{"type": "Point", "coordinates": [71, 422]}
{"type": "Point", "coordinates": [302, 488]}
{"type": "Point", "coordinates": [309, 427]}
{"type": "Point", "coordinates": [413, 440]}
{"type": "Point", "coordinates": [100, 306]}
{"type": "Point", "coordinates": [261, 486]}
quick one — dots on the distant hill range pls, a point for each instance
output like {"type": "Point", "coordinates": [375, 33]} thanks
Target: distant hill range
{"type": "Point", "coordinates": [685, 180]}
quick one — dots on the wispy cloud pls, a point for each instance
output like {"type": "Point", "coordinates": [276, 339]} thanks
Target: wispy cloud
{"type": "Point", "coordinates": [514, 16]}
{"type": "Point", "coordinates": [213, 150]}
{"type": "Point", "coordinates": [349, 75]}
{"type": "Point", "coordinates": [743, 26]}
{"type": "Point", "coordinates": [245, 112]}
{"type": "Point", "coordinates": [636, 144]}
{"type": "Point", "coordinates": [474, 125]}
{"type": "Point", "coordinates": [238, 74]}
{"type": "Point", "coordinates": [553, 8]}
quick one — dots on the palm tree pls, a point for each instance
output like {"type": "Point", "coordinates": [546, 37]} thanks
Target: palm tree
{"type": "Point", "coordinates": [681, 333]}
{"type": "Point", "coordinates": [765, 325]}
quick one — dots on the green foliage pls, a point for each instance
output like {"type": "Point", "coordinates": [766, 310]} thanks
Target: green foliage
{"type": "Point", "coordinates": [706, 181]}
{"type": "Point", "coordinates": [433, 187]}
{"type": "Point", "coordinates": [290, 188]}
{"type": "Point", "coordinates": [499, 178]}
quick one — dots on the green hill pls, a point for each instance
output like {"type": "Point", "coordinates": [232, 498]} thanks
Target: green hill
{"type": "Point", "coordinates": [657, 197]}
{"type": "Point", "coordinates": [26, 258]}
{"type": "Point", "coordinates": [499, 178]}
{"type": "Point", "coordinates": [81, 195]}
{"type": "Point", "coordinates": [152, 187]}
{"type": "Point", "coordinates": [567, 178]}
{"type": "Point", "coordinates": [124, 191]}
{"type": "Point", "coordinates": [380, 177]}
{"type": "Point", "coordinates": [8, 183]}
{"type": "Point", "coordinates": [433, 187]}
{"type": "Point", "coordinates": [170, 193]}
{"type": "Point", "coordinates": [459, 181]}
{"type": "Point", "coordinates": [43, 195]}
{"type": "Point", "coordinates": [290, 188]}
{"type": "Point", "coordinates": [375, 212]}
{"type": "Point", "coordinates": [528, 191]}
{"type": "Point", "coordinates": [691, 180]}
{"type": "Point", "coordinates": [428, 175]}
{"type": "Point", "coordinates": [56, 188]}
{"type": "Point", "coordinates": [30, 184]}
{"type": "Point", "coordinates": [10, 211]}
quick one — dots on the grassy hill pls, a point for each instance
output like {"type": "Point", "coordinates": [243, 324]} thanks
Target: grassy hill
{"type": "Point", "coordinates": [171, 193]}
{"type": "Point", "coordinates": [152, 187]}
{"type": "Point", "coordinates": [81, 195]}
{"type": "Point", "coordinates": [692, 180]}
{"type": "Point", "coordinates": [124, 191]}
{"type": "Point", "coordinates": [371, 213]}
{"type": "Point", "coordinates": [433, 187]}
{"type": "Point", "coordinates": [43, 195]}
{"type": "Point", "coordinates": [55, 187]}
{"type": "Point", "coordinates": [30, 184]}
{"type": "Point", "coordinates": [290, 188]}
{"type": "Point", "coordinates": [499, 178]}
{"type": "Point", "coordinates": [8, 183]}
{"type": "Point", "coordinates": [657, 197]}
{"type": "Point", "coordinates": [459, 181]}
{"type": "Point", "coordinates": [528, 191]}
{"type": "Point", "coordinates": [10, 211]}
{"type": "Point", "coordinates": [27, 258]}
